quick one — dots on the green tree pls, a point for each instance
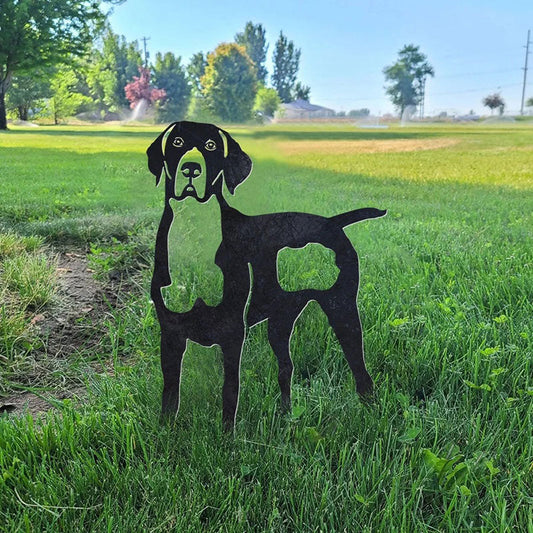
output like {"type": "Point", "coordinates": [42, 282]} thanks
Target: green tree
{"type": "Point", "coordinates": [112, 66]}
{"type": "Point", "coordinates": [37, 33]}
{"type": "Point", "coordinates": [254, 41]}
{"type": "Point", "coordinates": [229, 83]}
{"type": "Point", "coordinates": [406, 78]}
{"type": "Point", "coordinates": [27, 93]}
{"type": "Point", "coordinates": [494, 101]}
{"type": "Point", "coordinates": [529, 102]}
{"type": "Point", "coordinates": [169, 74]}
{"type": "Point", "coordinates": [302, 92]}
{"type": "Point", "coordinates": [267, 101]}
{"type": "Point", "coordinates": [286, 64]}
{"type": "Point", "coordinates": [197, 107]}
{"type": "Point", "coordinates": [65, 101]}
{"type": "Point", "coordinates": [195, 70]}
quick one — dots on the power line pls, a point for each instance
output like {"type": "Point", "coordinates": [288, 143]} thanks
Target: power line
{"type": "Point", "coordinates": [525, 73]}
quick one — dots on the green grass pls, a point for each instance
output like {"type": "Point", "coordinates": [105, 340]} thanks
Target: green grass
{"type": "Point", "coordinates": [27, 284]}
{"type": "Point", "coordinates": [446, 302]}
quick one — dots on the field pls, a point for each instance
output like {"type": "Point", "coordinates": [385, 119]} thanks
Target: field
{"type": "Point", "coordinates": [446, 299]}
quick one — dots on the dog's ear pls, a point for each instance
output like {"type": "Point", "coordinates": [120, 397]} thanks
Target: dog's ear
{"type": "Point", "coordinates": [237, 165]}
{"type": "Point", "coordinates": [156, 154]}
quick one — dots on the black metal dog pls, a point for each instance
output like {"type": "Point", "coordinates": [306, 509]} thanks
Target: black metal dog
{"type": "Point", "coordinates": [195, 159]}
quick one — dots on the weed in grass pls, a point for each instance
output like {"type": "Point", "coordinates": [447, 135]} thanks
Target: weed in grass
{"type": "Point", "coordinates": [12, 244]}
{"type": "Point", "coordinates": [121, 258]}
{"type": "Point", "coordinates": [32, 277]}
{"type": "Point", "coordinates": [13, 331]}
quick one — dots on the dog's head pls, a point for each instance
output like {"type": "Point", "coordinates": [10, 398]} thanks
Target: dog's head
{"type": "Point", "coordinates": [195, 158]}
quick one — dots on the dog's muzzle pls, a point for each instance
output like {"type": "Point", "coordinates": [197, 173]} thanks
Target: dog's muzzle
{"type": "Point", "coordinates": [191, 175]}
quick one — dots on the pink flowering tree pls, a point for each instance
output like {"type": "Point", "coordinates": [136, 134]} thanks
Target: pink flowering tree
{"type": "Point", "coordinates": [141, 89]}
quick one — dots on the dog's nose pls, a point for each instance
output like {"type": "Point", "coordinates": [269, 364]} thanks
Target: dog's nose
{"type": "Point", "coordinates": [191, 169]}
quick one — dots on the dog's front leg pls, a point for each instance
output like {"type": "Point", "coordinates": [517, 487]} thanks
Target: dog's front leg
{"type": "Point", "coordinates": [172, 350]}
{"type": "Point", "coordinates": [232, 351]}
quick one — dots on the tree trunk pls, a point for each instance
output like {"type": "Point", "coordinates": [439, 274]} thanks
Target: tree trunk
{"type": "Point", "coordinates": [3, 117]}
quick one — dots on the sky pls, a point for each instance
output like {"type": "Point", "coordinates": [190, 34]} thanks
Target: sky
{"type": "Point", "coordinates": [476, 47]}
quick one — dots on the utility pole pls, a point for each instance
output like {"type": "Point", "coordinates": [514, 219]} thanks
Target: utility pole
{"type": "Point", "coordinates": [146, 53]}
{"type": "Point", "coordinates": [525, 73]}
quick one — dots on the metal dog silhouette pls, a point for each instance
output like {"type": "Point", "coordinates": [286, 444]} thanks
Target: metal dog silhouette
{"type": "Point", "coordinates": [194, 159]}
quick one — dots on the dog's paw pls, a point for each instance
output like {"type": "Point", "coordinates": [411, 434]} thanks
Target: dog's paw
{"type": "Point", "coordinates": [365, 390]}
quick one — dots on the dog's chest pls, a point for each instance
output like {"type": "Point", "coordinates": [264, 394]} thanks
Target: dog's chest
{"type": "Point", "coordinates": [193, 240]}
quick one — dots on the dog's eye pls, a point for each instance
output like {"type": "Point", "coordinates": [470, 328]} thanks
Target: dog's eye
{"type": "Point", "coordinates": [178, 142]}
{"type": "Point", "coordinates": [210, 145]}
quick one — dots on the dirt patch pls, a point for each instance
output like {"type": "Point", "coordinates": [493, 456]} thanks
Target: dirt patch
{"type": "Point", "coordinates": [34, 404]}
{"type": "Point", "coordinates": [72, 325]}
{"type": "Point", "coordinates": [364, 147]}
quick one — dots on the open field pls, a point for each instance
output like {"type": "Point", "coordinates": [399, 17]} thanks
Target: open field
{"type": "Point", "coordinates": [446, 299]}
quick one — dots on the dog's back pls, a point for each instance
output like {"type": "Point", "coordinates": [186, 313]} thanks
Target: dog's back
{"type": "Point", "coordinates": [260, 238]}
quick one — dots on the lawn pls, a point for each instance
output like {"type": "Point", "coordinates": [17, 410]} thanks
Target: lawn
{"type": "Point", "coordinates": [446, 300]}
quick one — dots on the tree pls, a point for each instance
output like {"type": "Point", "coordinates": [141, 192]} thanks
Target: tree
{"type": "Point", "coordinates": [111, 67]}
{"type": "Point", "coordinates": [267, 101]}
{"type": "Point", "coordinates": [64, 101]}
{"type": "Point", "coordinates": [27, 93]}
{"type": "Point", "coordinates": [253, 40]}
{"type": "Point", "coordinates": [286, 64]}
{"type": "Point", "coordinates": [529, 102]}
{"type": "Point", "coordinates": [141, 89]}
{"type": "Point", "coordinates": [407, 77]}
{"type": "Point", "coordinates": [229, 83]}
{"type": "Point", "coordinates": [169, 75]}
{"type": "Point", "coordinates": [197, 107]}
{"type": "Point", "coordinates": [195, 70]}
{"type": "Point", "coordinates": [37, 33]}
{"type": "Point", "coordinates": [302, 92]}
{"type": "Point", "coordinates": [493, 101]}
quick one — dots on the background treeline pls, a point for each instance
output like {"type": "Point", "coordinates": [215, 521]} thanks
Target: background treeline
{"type": "Point", "coordinates": [112, 78]}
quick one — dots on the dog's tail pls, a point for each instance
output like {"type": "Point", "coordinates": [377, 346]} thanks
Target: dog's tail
{"type": "Point", "coordinates": [351, 217]}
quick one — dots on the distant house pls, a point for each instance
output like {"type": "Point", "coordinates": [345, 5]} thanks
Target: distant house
{"type": "Point", "coordinates": [301, 109]}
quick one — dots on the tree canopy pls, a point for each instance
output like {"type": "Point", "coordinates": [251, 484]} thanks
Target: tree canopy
{"type": "Point", "coordinates": [286, 65]}
{"type": "Point", "coordinates": [195, 70]}
{"type": "Point", "coordinates": [254, 41]}
{"type": "Point", "coordinates": [169, 74]}
{"type": "Point", "coordinates": [55, 48]}
{"type": "Point", "coordinates": [34, 33]}
{"type": "Point", "coordinates": [112, 65]}
{"type": "Point", "coordinates": [406, 77]}
{"type": "Point", "coordinates": [267, 101]}
{"type": "Point", "coordinates": [229, 83]}
{"type": "Point", "coordinates": [494, 101]}
{"type": "Point", "coordinates": [28, 91]}
{"type": "Point", "coordinates": [141, 89]}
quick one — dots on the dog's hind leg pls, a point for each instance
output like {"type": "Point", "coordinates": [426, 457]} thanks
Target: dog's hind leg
{"type": "Point", "coordinates": [232, 350]}
{"type": "Point", "coordinates": [172, 350]}
{"type": "Point", "coordinates": [344, 319]}
{"type": "Point", "coordinates": [279, 336]}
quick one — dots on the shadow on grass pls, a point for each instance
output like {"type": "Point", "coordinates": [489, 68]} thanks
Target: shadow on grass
{"type": "Point", "coordinates": [342, 135]}
{"type": "Point", "coordinates": [150, 131]}
{"type": "Point", "coordinates": [294, 133]}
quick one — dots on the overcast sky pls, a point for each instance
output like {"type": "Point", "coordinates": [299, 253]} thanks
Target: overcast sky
{"type": "Point", "coordinates": [475, 46]}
